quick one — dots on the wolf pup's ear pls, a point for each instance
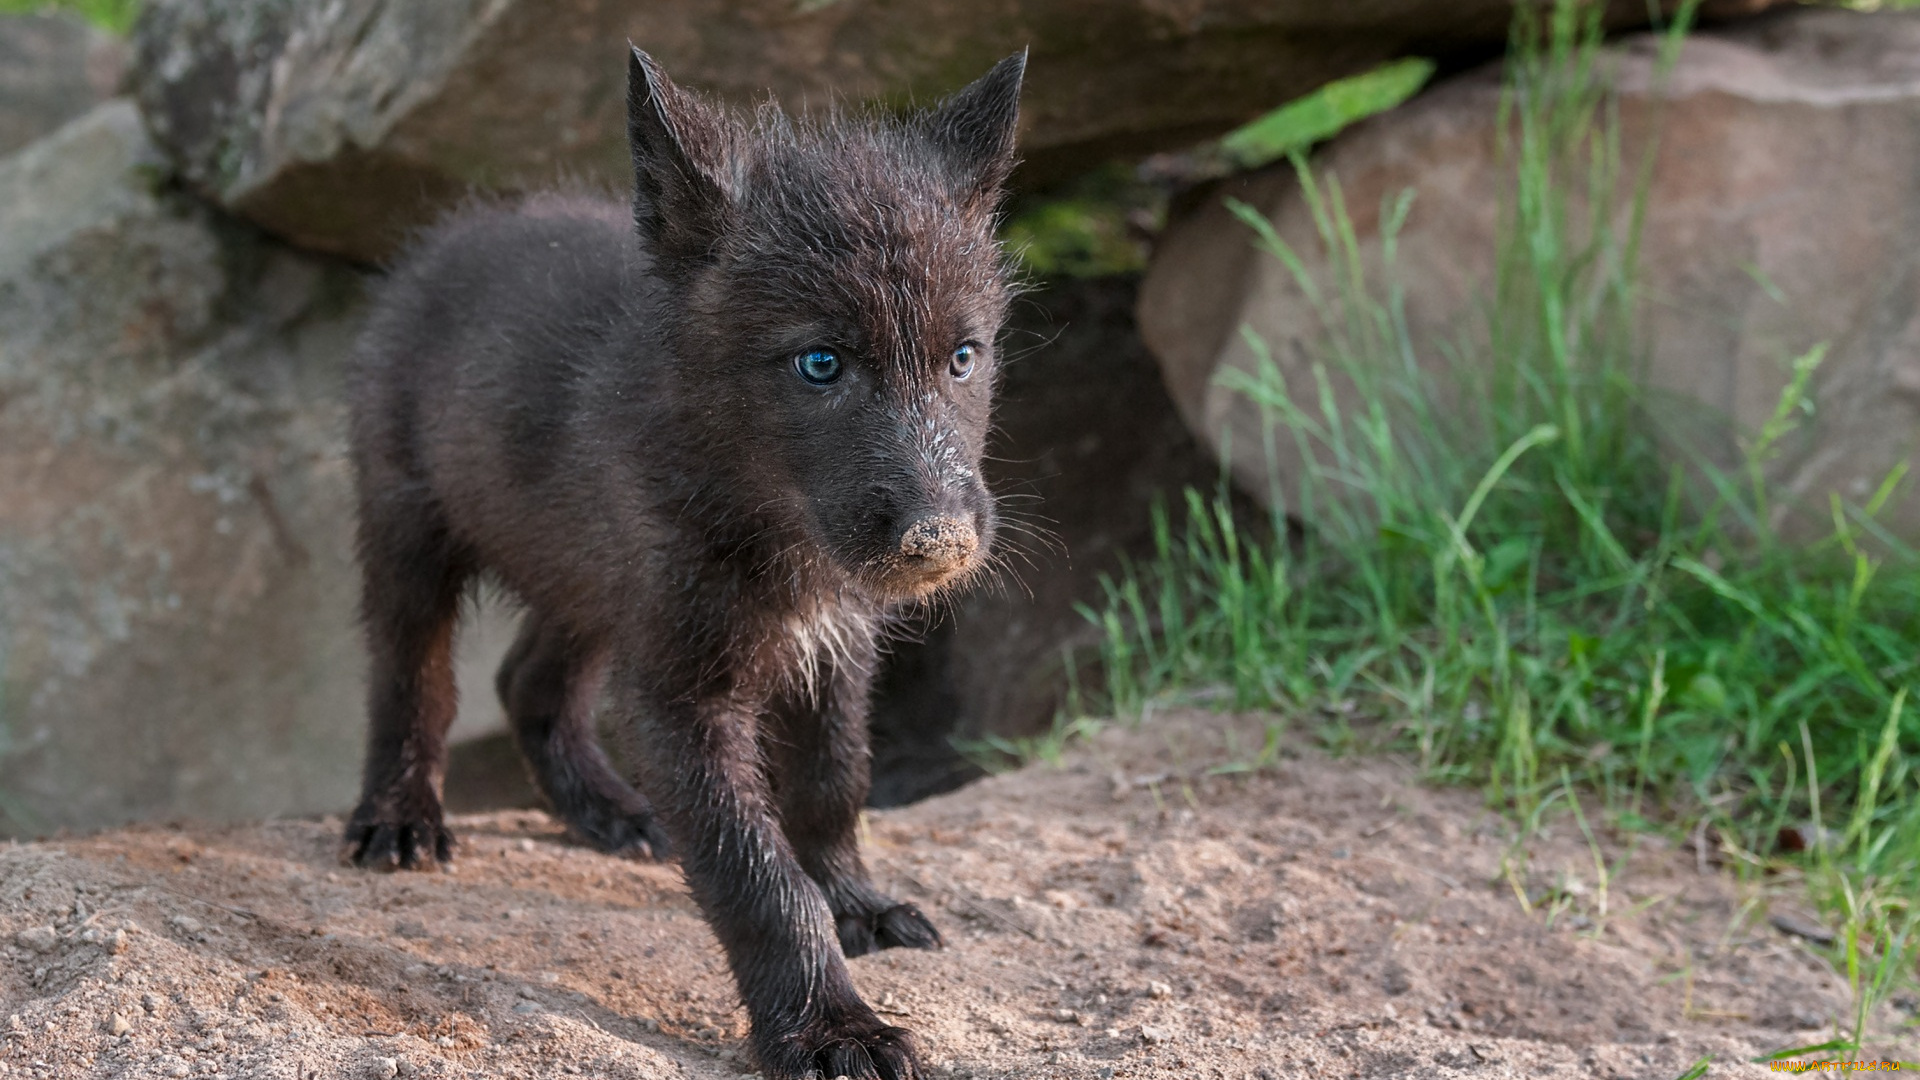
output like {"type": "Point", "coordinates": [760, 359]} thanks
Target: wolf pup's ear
{"type": "Point", "coordinates": [682, 160]}
{"type": "Point", "coordinates": [975, 128]}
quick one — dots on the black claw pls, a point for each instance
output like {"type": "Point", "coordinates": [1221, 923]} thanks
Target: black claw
{"type": "Point", "coordinates": [901, 926]}
{"type": "Point", "coordinates": [629, 836]}
{"type": "Point", "coordinates": [388, 845]}
{"type": "Point", "coordinates": [904, 927]}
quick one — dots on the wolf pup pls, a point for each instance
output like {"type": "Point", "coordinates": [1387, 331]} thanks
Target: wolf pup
{"type": "Point", "coordinates": [710, 442]}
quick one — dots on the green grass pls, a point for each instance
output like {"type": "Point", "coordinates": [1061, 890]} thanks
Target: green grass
{"type": "Point", "coordinates": [1495, 568]}
{"type": "Point", "coordinates": [114, 16]}
{"type": "Point", "coordinates": [1296, 126]}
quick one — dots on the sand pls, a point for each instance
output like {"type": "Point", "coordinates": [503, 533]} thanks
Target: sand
{"type": "Point", "coordinates": [1120, 914]}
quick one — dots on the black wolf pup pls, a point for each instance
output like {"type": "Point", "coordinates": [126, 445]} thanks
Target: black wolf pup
{"type": "Point", "coordinates": [710, 441]}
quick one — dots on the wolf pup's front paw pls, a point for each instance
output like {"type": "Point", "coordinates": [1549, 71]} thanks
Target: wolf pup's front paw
{"type": "Point", "coordinates": [862, 1048]}
{"type": "Point", "coordinates": [901, 926]}
{"type": "Point", "coordinates": [614, 822]}
{"type": "Point", "coordinates": [387, 838]}
{"type": "Point", "coordinates": [630, 836]}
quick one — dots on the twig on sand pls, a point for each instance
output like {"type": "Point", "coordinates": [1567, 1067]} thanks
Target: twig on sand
{"type": "Point", "coordinates": [241, 912]}
{"type": "Point", "coordinates": [1436, 875]}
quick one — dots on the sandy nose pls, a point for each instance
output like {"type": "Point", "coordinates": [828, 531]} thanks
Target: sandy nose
{"type": "Point", "coordinates": [941, 539]}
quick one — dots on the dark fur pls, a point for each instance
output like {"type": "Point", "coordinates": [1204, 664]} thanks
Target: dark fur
{"type": "Point", "coordinates": [607, 420]}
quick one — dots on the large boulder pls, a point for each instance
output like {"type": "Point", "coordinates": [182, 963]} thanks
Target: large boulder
{"type": "Point", "coordinates": [176, 588]}
{"type": "Point", "coordinates": [53, 67]}
{"type": "Point", "coordinates": [339, 125]}
{"type": "Point", "coordinates": [1781, 216]}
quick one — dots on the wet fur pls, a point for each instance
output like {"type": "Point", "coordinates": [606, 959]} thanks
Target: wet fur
{"type": "Point", "coordinates": [594, 405]}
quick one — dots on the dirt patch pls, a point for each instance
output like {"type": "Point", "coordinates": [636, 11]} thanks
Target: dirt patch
{"type": "Point", "coordinates": [1124, 915]}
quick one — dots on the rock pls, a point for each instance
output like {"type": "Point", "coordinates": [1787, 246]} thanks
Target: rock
{"type": "Point", "coordinates": [176, 588]}
{"type": "Point", "coordinates": [1788, 147]}
{"type": "Point", "coordinates": [53, 67]}
{"type": "Point", "coordinates": [118, 1024]}
{"type": "Point", "coordinates": [1395, 980]}
{"type": "Point", "coordinates": [339, 125]}
{"type": "Point", "coordinates": [40, 939]}
{"type": "Point", "coordinates": [383, 1068]}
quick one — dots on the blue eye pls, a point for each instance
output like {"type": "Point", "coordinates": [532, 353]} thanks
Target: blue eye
{"type": "Point", "coordinates": [961, 363]}
{"type": "Point", "coordinates": [818, 366]}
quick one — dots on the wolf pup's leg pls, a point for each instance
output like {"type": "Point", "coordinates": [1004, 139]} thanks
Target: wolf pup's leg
{"type": "Point", "coordinates": [701, 763]}
{"type": "Point", "coordinates": [823, 771]}
{"type": "Point", "coordinates": [549, 683]}
{"type": "Point", "coordinates": [412, 581]}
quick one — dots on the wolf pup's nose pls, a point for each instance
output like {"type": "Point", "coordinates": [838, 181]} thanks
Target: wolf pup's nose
{"type": "Point", "coordinates": [942, 541]}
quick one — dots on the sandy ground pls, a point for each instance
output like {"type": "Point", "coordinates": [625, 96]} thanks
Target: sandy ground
{"type": "Point", "coordinates": [1123, 915]}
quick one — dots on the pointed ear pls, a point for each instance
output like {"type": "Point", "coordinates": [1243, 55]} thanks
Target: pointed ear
{"type": "Point", "coordinates": [682, 162]}
{"type": "Point", "coordinates": [975, 127]}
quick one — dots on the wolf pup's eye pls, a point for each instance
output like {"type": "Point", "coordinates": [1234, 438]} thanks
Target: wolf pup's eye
{"type": "Point", "coordinates": [961, 363]}
{"type": "Point", "coordinates": [818, 366]}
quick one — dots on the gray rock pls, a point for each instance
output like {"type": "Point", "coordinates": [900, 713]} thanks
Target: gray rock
{"type": "Point", "coordinates": [176, 588]}
{"type": "Point", "coordinates": [1781, 216]}
{"type": "Point", "coordinates": [53, 67]}
{"type": "Point", "coordinates": [338, 125]}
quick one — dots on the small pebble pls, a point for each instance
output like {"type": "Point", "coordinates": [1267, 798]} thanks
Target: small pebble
{"type": "Point", "coordinates": [41, 939]}
{"type": "Point", "coordinates": [1154, 1036]}
{"type": "Point", "coordinates": [118, 1024]}
{"type": "Point", "coordinates": [1158, 989]}
{"type": "Point", "coordinates": [384, 1068]}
